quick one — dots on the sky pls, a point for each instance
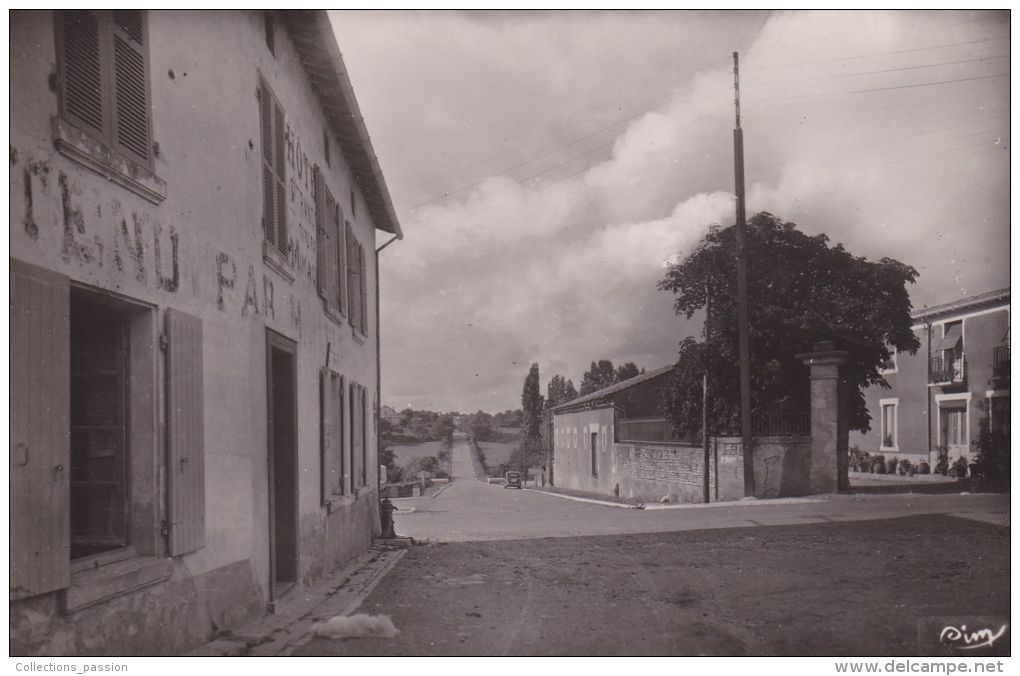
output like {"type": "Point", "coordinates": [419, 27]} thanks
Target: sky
{"type": "Point", "coordinates": [547, 166]}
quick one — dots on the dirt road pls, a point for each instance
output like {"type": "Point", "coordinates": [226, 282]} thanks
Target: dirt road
{"type": "Point", "coordinates": [857, 588]}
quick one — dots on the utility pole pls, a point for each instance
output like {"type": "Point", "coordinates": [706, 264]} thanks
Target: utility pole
{"type": "Point", "coordinates": [742, 323]}
{"type": "Point", "coordinates": [706, 490]}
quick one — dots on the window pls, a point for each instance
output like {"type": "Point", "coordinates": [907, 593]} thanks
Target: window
{"type": "Point", "coordinates": [888, 424]}
{"type": "Point", "coordinates": [104, 79]}
{"type": "Point", "coordinates": [594, 455]}
{"type": "Point", "coordinates": [325, 147]}
{"type": "Point", "coordinates": [354, 206]}
{"type": "Point", "coordinates": [357, 292]}
{"type": "Point", "coordinates": [889, 366]}
{"type": "Point", "coordinates": [274, 180]}
{"type": "Point", "coordinates": [335, 473]}
{"type": "Point", "coordinates": [331, 248]}
{"type": "Point", "coordinates": [85, 434]}
{"type": "Point", "coordinates": [99, 439]}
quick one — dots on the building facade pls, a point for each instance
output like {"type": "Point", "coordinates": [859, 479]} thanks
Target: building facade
{"type": "Point", "coordinates": [194, 203]}
{"type": "Point", "coordinates": [957, 381]}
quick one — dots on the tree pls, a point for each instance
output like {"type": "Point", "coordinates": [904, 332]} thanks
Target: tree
{"type": "Point", "coordinates": [627, 371]}
{"type": "Point", "coordinates": [532, 403]}
{"type": "Point", "coordinates": [442, 428]}
{"type": "Point", "coordinates": [559, 391]}
{"type": "Point", "coordinates": [599, 376]}
{"type": "Point", "coordinates": [479, 426]}
{"type": "Point", "coordinates": [800, 291]}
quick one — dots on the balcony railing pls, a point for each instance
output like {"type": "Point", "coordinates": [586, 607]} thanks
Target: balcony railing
{"type": "Point", "coordinates": [942, 371]}
{"type": "Point", "coordinates": [1000, 362]}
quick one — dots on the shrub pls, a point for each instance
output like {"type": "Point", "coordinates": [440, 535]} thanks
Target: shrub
{"type": "Point", "coordinates": [878, 464]}
{"type": "Point", "coordinates": [906, 468]}
{"type": "Point", "coordinates": [958, 469]}
{"type": "Point", "coordinates": [942, 464]}
{"type": "Point", "coordinates": [890, 465]}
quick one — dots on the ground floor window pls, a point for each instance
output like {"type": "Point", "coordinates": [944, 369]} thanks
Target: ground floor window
{"type": "Point", "coordinates": [100, 489]}
{"type": "Point", "coordinates": [888, 425]}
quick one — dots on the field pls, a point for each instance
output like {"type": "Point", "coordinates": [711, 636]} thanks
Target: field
{"type": "Point", "coordinates": [496, 452]}
{"type": "Point", "coordinates": [405, 453]}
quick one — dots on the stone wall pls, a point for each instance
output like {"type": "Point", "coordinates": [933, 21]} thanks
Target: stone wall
{"type": "Point", "coordinates": [654, 471]}
{"type": "Point", "coordinates": [781, 467]}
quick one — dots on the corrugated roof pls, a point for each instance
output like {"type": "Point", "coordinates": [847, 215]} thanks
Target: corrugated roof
{"type": "Point", "coordinates": [316, 45]}
{"type": "Point", "coordinates": [613, 389]}
{"type": "Point", "coordinates": [969, 303]}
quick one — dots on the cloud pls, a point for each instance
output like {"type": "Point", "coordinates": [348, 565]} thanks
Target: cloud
{"type": "Point", "coordinates": [560, 159]}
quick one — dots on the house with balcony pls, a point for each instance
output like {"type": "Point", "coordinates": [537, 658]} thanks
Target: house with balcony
{"type": "Point", "coordinates": [957, 382]}
{"type": "Point", "coordinates": [194, 206]}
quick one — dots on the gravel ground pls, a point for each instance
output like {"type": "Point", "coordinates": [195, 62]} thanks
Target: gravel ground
{"type": "Point", "coordinates": [849, 588]}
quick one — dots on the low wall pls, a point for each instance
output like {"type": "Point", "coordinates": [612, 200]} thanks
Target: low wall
{"type": "Point", "coordinates": [651, 471]}
{"type": "Point", "coordinates": [781, 466]}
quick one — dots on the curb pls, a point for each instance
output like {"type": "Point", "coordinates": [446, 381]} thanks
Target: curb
{"type": "Point", "coordinates": [592, 501]}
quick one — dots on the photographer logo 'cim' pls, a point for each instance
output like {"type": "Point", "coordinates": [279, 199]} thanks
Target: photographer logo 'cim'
{"type": "Point", "coordinates": [964, 638]}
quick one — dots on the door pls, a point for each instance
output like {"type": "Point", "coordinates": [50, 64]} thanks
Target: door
{"type": "Point", "coordinates": [954, 431]}
{"type": "Point", "coordinates": [281, 385]}
{"type": "Point", "coordinates": [595, 455]}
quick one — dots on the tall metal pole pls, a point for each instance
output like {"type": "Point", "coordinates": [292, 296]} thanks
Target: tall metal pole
{"type": "Point", "coordinates": [742, 323]}
{"type": "Point", "coordinates": [707, 492]}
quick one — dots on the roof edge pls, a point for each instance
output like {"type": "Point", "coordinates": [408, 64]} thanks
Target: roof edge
{"type": "Point", "coordinates": [969, 303]}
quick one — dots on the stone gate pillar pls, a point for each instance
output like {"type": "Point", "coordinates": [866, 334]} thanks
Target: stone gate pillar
{"type": "Point", "coordinates": [826, 411]}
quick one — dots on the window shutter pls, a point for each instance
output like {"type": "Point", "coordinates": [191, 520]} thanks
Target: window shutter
{"type": "Point", "coordinates": [355, 439]}
{"type": "Point", "coordinates": [328, 432]}
{"type": "Point", "coordinates": [81, 71]}
{"type": "Point", "coordinates": [40, 536]}
{"type": "Point", "coordinates": [341, 260]}
{"type": "Point", "coordinates": [364, 289]}
{"type": "Point", "coordinates": [322, 239]}
{"type": "Point", "coordinates": [185, 411]}
{"type": "Point", "coordinates": [355, 280]}
{"type": "Point", "coordinates": [363, 406]}
{"type": "Point", "coordinates": [131, 87]}
{"type": "Point", "coordinates": [343, 465]}
{"type": "Point", "coordinates": [282, 243]}
{"type": "Point", "coordinates": [268, 177]}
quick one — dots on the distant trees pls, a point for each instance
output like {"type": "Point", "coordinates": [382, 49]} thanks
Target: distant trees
{"type": "Point", "coordinates": [479, 426]}
{"type": "Point", "coordinates": [602, 374]}
{"type": "Point", "coordinates": [442, 429]}
{"type": "Point", "coordinates": [559, 391]}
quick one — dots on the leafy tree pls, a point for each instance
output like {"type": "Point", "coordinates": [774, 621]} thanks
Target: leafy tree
{"type": "Point", "coordinates": [559, 391]}
{"type": "Point", "coordinates": [532, 403]}
{"type": "Point", "coordinates": [800, 291]}
{"type": "Point", "coordinates": [442, 428]}
{"type": "Point", "coordinates": [479, 426]}
{"type": "Point", "coordinates": [599, 376]}
{"type": "Point", "coordinates": [627, 371]}
{"type": "Point", "coordinates": [387, 458]}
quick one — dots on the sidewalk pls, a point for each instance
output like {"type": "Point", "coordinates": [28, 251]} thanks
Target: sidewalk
{"type": "Point", "coordinates": [339, 593]}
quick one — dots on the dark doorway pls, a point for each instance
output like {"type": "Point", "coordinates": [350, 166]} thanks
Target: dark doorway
{"type": "Point", "coordinates": [283, 489]}
{"type": "Point", "coordinates": [594, 455]}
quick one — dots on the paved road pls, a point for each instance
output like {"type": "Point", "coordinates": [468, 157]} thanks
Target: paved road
{"type": "Point", "coordinates": [470, 510]}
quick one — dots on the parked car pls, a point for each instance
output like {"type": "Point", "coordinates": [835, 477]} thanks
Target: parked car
{"type": "Point", "coordinates": [514, 479]}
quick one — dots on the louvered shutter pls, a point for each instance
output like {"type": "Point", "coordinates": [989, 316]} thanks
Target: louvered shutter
{"type": "Point", "coordinates": [364, 289]}
{"type": "Point", "coordinates": [322, 239]}
{"type": "Point", "coordinates": [355, 439]}
{"type": "Point", "coordinates": [131, 87]}
{"type": "Point", "coordinates": [328, 433]}
{"type": "Point", "coordinates": [341, 260]}
{"type": "Point", "coordinates": [81, 72]}
{"type": "Point", "coordinates": [274, 185]}
{"type": "Point", "coordinates": [364, 436]}
{"type": "Point", "coordinates": [279, 155]}
{"type": "Point", "coordinates": [343, 464]}
{"type": "Point", "coordinates": [40, 536]}
{"type": "Point", "coordinates": [185, 425]}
